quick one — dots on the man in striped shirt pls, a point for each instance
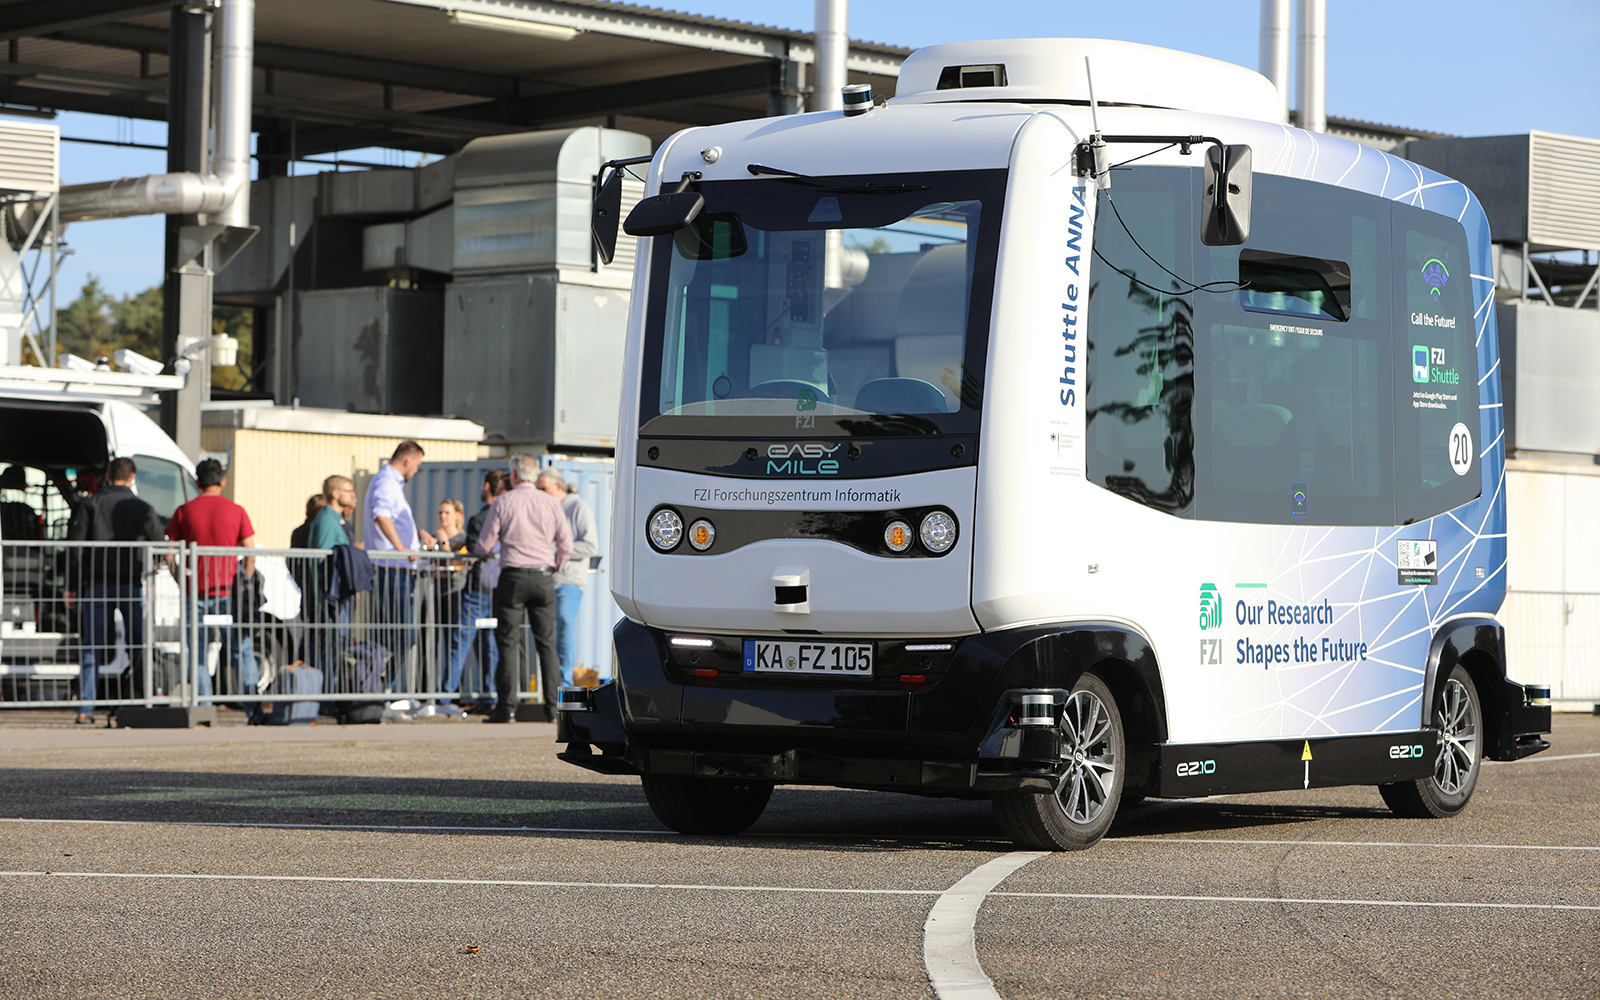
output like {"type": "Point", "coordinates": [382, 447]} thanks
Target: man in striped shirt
{"type": "Point", "coordinates": [531, 530]}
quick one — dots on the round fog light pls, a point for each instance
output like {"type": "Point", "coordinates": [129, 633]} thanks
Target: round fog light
{"type": "Point", "coordinates": [938, 531]}
{"type": "Point", "coordinates": [665, 529]}
{"type": "Point", "coordinates": [897, 536]}
{"type": "Point", "coordinates": [701, 534]}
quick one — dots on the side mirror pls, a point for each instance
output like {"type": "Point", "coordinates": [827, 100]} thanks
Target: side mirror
{"type": "Point", "coordinates": [668, 212]}
{"type": "Point", "coordinates": [603, 219]}
{"type": "Point", "coordinates": [1226, 208]}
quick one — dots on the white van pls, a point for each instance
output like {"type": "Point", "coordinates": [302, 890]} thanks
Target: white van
{"type": "Point", "coordinates": [58, 430]}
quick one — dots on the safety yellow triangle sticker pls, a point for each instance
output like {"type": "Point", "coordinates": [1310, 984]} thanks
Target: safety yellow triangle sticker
{"type": "Point", "coordinates": [1306, 753]}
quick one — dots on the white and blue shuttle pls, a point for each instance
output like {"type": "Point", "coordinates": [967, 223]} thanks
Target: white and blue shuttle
{"type": "Point", "coordinates": [991, 443]}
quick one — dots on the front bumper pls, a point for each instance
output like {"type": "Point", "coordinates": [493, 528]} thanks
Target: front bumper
{"type": "Point", "coordinates": [945, 730]}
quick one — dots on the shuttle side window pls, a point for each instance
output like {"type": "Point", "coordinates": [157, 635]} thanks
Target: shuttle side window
{"type": "Point", "coordinates": [1141, 346]}
{"type": "Point", "coordinates": [1295, 426]}
{"type": "Point", "coordinates": [1339, 386]}
{"type": "Point", "coordinates": [1435, 367]}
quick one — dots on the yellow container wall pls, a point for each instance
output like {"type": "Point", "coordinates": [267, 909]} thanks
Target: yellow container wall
{"type": "Point", "coordinates": [271, 473]}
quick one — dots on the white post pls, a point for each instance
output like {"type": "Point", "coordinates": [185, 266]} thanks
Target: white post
{"type": "Point", "coordinates": [1275, 50]}
{"type": "Point", "coordinates": [1313, 37]}
{"type": "Point", "coordinates": [833, 47]}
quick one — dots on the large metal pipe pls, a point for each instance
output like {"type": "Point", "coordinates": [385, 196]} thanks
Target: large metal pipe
{"type": "Point", "coordinates": [231, 159]}
{"type": "Point", "coordinates": [225, 192]}
{"type": "Point", "coordinates": [1275, 50]}
{"type": "Point", "coordinates": [833, 47]}
{"type": "Point", "coordinates": [1313, 39]}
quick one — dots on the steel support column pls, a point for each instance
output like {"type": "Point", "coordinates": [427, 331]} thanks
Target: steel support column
{"type": "Point", "coordinates": [186, 291]}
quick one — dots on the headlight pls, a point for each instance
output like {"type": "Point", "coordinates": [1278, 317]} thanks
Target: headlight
{"type": "Point", "coordinates": [897, 536]}
{"type": "Point", "coordinates": [701, 534]}
{"type": "Point", "coordinates": [665, 529]}
{"type": "Point", "coordinates": [938, 532]}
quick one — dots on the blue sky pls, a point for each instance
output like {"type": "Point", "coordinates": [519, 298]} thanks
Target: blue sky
{"type": "Point", "coordinates": [1466, 67]}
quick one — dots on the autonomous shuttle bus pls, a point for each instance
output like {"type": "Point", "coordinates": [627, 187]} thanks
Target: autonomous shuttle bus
{"type": "Point", "coordinates": [997, 441]}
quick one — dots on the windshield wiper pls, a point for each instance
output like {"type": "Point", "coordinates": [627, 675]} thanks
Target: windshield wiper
{"type": "Point", "coordinates": [825, 187]}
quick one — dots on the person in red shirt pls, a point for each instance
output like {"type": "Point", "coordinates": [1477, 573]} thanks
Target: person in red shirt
{"type": "Point", "coordinates": [213, 519]}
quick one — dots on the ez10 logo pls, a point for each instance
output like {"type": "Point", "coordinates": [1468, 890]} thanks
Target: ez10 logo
{"type": "Point", "coordinates": [1435, 273]}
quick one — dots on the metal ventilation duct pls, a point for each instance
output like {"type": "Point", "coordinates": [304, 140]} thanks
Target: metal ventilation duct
{"type": "Point", "coordinates": [1314, 65]}
{"type": "Point", "coordinates": [1275, 49]}
{"type": "Point", "coordinates": [226, 191]}
{"type": "Point", "coordinates": [833, 45]}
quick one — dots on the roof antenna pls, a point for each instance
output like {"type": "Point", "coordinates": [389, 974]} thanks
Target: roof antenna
{"type": "Point", "coordinates": [1097, 144]}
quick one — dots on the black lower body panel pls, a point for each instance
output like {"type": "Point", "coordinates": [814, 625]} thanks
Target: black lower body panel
{"type": "Point", "coordinates": [1188, 770]}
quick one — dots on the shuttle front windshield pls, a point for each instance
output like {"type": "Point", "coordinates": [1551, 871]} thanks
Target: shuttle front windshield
{"type": "Point", "coordinates": [857, 306]}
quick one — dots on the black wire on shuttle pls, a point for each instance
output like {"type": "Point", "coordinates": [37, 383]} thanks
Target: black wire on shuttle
{"type": "Point", "coordinates": [1234, 286]}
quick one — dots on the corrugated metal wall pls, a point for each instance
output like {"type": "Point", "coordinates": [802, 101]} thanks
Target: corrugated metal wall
{"type": "Point", "coordinates": [270, 473]}
{"type": "Point", "coordinates": [462, 481]}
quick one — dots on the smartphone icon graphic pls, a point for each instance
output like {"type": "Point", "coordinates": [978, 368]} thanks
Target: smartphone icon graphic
{"type": "Point", "coordinates": [1419, 363]}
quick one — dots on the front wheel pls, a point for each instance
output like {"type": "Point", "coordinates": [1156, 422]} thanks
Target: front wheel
{"type": "Point", "coordinates": [705, 805]}
{"type": "Point", "coordinates": [1080, 809]}
{"type": "Point", "coordinates": [1458, 716]}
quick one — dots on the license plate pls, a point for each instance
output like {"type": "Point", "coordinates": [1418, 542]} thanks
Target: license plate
{"type": "Point", "coordinates": [818, 658]}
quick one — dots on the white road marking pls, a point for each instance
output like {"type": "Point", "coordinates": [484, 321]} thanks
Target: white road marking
{"type": "Point", "coordinates": [949, 949]}
{"type": "Point", "coordinates": [1350, 843]}
{"type": "Point", "coordinates": [969, 892]}
{"type": "Point", "coordinates": [491, 882]}
{"type": "Point", "coordinates": [333, 826]}
{"type": "Point", "coordinates": [1432, 904]}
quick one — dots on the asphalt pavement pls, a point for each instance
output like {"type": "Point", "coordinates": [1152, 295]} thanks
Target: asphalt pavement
{"type": "Point", "coordinates": [449, 858]}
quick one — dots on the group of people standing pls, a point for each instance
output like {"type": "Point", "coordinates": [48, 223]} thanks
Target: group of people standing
{"type": "Point", "coordinates": [113, 583]}
{"type": "Point", "coordinates": [533, 540]}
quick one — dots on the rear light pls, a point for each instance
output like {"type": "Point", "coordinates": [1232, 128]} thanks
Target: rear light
{"type": "Point", "coordinates": [913, 678]}
{"type": "Point", "coordinates": [897, 536]}
{"type": "Point", "coordinates": [704, 672]}
{"type": "Point", "coordinates": [701, 534]}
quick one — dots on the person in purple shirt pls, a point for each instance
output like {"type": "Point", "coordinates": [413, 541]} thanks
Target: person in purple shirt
{"type": "Point", "coordinates": [531, 529]}
{"type": "Point", "coordinates": [392, 527]}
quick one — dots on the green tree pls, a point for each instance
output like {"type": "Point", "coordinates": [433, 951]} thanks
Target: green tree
{"type": "Point", "coordinates": [85, 327]}
{"type": "Point", "coordinates": [96, 324]}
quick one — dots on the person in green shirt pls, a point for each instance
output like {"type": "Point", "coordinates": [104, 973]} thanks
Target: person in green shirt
{"type": "Point", "coordinates": [332, 526]}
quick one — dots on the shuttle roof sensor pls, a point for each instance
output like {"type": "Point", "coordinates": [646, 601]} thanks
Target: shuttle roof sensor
{"type": "Point", "coordinates": [857, 99]}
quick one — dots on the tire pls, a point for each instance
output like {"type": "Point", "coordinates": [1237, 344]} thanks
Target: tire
{"type": "Point", "coordinates": [1080, 810]}
{"type": "Point", "coordinates": [706, 806]}
{"type": "Point", "coordinates": [1458, 716]}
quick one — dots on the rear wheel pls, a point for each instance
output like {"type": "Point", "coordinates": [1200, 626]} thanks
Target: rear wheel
{"type": "Point", "coordinates": [1458, 716]}
{"type": "Point", "coordinates": [1080, 810]}
{"type": "Point", "coordinates": [702, 805]}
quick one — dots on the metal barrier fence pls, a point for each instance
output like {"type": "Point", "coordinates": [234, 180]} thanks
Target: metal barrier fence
{"type": "Point", "coordinates": [91, 623]}
{"type": "Point", "coordinates": [1554, 638]}
{"type": "Point", "coordinates": [175, 624]}
{"type": "Point", "coordinates": [594, 478]}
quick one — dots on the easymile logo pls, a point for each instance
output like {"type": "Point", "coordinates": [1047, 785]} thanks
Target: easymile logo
{"type": "Point", "coordinates": [805, 459]}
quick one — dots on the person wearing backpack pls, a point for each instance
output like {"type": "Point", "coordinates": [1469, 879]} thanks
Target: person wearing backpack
{"type": "Point", "coordinates": [109, 582]}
